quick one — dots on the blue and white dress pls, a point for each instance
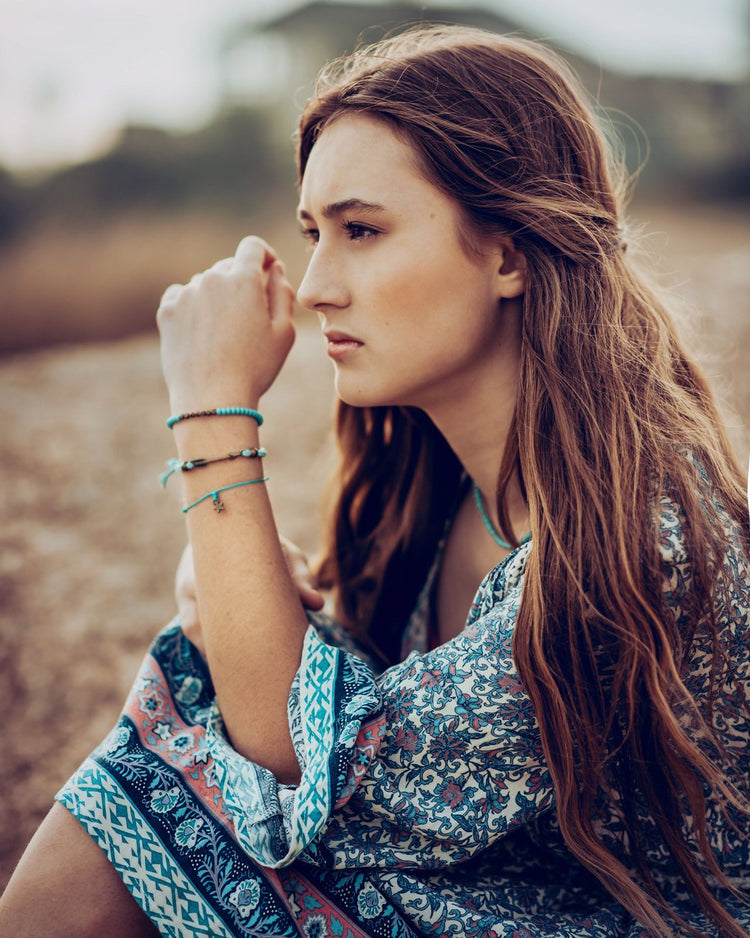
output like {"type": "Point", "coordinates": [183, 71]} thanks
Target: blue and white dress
{"type": "Point", "coordinates": [424, 808]}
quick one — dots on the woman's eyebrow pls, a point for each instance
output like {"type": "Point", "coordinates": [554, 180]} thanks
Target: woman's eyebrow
{"type": "Point", "coordinates": [335, 209]}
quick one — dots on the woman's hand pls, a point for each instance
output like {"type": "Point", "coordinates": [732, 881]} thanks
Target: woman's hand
{"type": "Point", "coordinates": [187, 604]}
{"type": "Point", "coordinates": [302, 576]}
{"type": "Point", "coordinates": [226, 334]}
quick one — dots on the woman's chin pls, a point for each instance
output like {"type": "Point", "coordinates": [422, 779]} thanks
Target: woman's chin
{"type": "Point", "coordinates": [349, 392]}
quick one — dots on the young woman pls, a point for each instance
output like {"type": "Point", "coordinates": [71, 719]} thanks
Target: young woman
{"type": "Point", "coordinates": [523, 440]}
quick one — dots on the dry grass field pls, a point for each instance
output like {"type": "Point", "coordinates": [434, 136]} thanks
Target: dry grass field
{"type": "Point", "coordinates": [96, 283]}
{"type": "Point", "coordinates": [89, 542]}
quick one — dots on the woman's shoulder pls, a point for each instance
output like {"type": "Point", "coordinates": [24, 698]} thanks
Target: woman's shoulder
{"type": "Point", "coordinates": [713, 616]}
{"type": "Point", "coordinates": [501, 588]}
{"type": "Point", "coordinates": [728, 548]}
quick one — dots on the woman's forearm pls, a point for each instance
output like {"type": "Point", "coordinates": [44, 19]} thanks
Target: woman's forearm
{"type": "Point", "coordinates": [252, 618]}
{"type": "Point", "coordinates": [224, 338]}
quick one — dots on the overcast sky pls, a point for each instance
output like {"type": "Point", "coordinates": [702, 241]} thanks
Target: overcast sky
{"type": "Point", "coordinates": [73, 71]}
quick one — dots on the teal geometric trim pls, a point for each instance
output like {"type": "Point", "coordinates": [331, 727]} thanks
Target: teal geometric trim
{"type": "Point", "coordinates": [154, 879]}
{"type": "Point", "coordinates": [317, 682]}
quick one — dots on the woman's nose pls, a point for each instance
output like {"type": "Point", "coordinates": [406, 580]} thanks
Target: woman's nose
{"type": "Point", "coordinates": [323, 284]}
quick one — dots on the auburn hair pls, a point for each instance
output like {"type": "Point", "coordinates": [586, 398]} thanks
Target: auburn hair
{"type": "Point", "coordinates": [611, 415]}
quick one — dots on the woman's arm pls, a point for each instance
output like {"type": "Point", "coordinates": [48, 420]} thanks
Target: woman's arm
{"type": "Point", "coordinates": [225, 336]}
{"type": "Point", "coordinates": [421, 766]}
{"type": "Point", "coordinates": [188, 614]}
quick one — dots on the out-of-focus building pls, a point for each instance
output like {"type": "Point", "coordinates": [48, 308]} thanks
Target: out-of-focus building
{"type": "Point", "coordinates": [694, 133]}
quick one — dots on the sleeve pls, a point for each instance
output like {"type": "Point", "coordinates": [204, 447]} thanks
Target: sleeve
{"type": "Point", "coordinates": [421, 766]}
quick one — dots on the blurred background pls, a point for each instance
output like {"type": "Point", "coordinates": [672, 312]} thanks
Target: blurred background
{"type": "Point", "coordinates": [139, 141]}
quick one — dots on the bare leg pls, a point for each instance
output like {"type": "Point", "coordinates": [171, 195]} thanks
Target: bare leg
{"type": "Point", "coordinates": [65, 887]}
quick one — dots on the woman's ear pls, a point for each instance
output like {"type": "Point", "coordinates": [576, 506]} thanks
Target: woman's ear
{"type": "Point", "coordinates": [511, 274]}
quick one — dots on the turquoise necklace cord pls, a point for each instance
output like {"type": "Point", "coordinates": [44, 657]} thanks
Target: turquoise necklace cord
{"type": "Point", "coordinates": [489, 525]}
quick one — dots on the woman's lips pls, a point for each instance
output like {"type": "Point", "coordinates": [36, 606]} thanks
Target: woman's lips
{"type": "Point", "coordinates": [340, 344]}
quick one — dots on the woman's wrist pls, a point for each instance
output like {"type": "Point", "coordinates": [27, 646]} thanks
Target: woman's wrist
{"type": "Point", "coordinates": [190, 401]}
{"type": "Point", "coordinates": [206, 436]}
{"type": "Point", "coordinates": [216, 412]}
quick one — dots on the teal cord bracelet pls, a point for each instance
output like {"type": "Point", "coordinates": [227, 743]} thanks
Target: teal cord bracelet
{"type": "Point", "coordinates": [218, 412]}
{"type": "Point", "coordinates": [216, 495]}
{"type": "Point", "coordinates": [174, 465]}
{"type": "Point", "coordinates": [489, 525]}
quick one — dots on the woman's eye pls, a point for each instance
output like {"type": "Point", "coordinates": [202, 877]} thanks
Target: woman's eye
{"type": "Point", "coordinates": [311, 235]}
{"type": "Point", "coordinates": [353, 231]}
{"type": "Point", "coordinates": [358, 232]}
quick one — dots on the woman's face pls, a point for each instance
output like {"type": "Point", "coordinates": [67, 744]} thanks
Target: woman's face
{"type": "Point", "coordinates": [410, 317]}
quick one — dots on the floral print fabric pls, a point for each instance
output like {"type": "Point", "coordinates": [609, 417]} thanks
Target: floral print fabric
{"type": "Point", "coordinates": [425, 806]}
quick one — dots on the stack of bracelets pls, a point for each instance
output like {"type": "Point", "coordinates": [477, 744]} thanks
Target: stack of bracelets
{"type": "Point", "coordinates": [188, 465]}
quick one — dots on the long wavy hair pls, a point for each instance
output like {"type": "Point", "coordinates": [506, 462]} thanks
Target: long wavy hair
{"type": "Point", "coordinates": [611, 414]}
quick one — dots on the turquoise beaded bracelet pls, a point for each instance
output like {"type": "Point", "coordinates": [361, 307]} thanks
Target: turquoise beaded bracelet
{"type": "Point", "coordinates": [218, 412]}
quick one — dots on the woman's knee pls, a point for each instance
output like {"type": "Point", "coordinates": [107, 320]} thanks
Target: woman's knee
{"type": "Point", "coordinates": [65, 886]}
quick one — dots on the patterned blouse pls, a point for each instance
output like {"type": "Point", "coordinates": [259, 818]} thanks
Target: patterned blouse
{"type": "Point", "coordinates": [425, 807]}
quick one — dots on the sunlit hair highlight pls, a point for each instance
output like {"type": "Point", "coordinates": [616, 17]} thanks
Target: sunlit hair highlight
{"type": "Point", "coordinates": [611, 417]}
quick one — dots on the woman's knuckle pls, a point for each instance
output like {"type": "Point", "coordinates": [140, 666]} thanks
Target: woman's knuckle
{"type": "Point", "coordinates": [163, 314]}
{"type": "Point", "coordinates": [170, 296]}
{"type": "Point", "coordinates": [211, 279]}
{"type": "Point", "coordinates": [249, 244]}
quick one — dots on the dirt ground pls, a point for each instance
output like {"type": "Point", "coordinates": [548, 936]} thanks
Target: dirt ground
{"type": "Point", "coordinates": [89, 542]}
